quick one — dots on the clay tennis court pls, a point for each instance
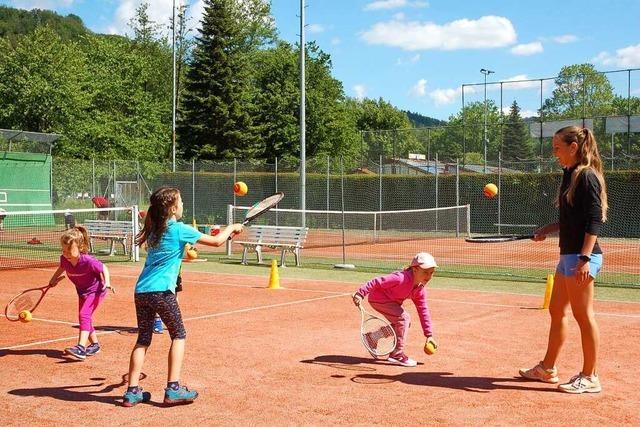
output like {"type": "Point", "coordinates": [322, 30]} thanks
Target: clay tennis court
{"type": "Point", "coordinates": [292, 356]}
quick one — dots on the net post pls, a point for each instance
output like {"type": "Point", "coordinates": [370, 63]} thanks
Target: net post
{"type": "Point", "coordinates": [229, 222]}
{"type": "Point", "coordinates": [468, 220]}
{"type": "Point", "coordinates": [135, 249]}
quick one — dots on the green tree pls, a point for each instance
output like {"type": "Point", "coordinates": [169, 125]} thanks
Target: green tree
{"type": "Point", "coordinates": [580, 91]}
{"type": "Point", "coordinates": [215, 120]}
{"type": "Point", "coordinates": [516, 143]}
{"type": "Point", "coordinates": [41, 83]}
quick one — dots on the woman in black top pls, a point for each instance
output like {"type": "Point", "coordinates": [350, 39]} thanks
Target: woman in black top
{"type": "Point", "coordinates": [582, 203]}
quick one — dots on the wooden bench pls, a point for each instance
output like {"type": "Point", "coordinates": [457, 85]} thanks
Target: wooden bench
{"type": "Point", "coordinates": [287, 239]}
{"type": "Point", "coordinates": [113, 231]}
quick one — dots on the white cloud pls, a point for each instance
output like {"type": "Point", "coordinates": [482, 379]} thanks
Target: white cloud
{"type": "Point", "coordinates": [159, 11]}
{"type": "Point", "coordinates": [419, 89]}
{"type": "Point", "coordinates": [523, 113]}
{"type": "Point", "coordinates": [527, 49]}
{"type": "Point", "coordinates": [625, 57]}
{"type": "Point", "coordinates": [360, 91]}
{"type": "Point", "coordinates": [448, 96]}
{"type": "Point", "coordinates": [336, 41]}
{"type": "Point", "coordinates": [394, 4]}
{"type": "Point", "coordinates": [565, 38]}
{"type": "Point", "coordinates": [315, 28]}
{"type": "Point", "coordinates": [483, 33]}
{"type": "Point", "coordinates": [41, 4]}
{"type": "Point", "coordinates": [520, 81]}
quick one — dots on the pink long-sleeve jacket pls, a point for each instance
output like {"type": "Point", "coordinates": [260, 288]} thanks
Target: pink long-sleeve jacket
{"type": "Point", "coordinates": [397, 287]}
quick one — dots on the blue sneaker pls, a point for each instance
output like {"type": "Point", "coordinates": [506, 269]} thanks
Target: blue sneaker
{"type": "Point", "coordinates": [77, 352]}
{"type": "Point", "coordinates": [92, 349]}
{"type": "Point", "coordinates": [181, 395]}
{"type": "Point", "coordinates": [132, 399]}
{"type": "Point", "coordinates": [157, 326]}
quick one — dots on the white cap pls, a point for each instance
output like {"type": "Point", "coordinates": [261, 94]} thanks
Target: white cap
{"type": "Point", "coordinates": [423, 260]}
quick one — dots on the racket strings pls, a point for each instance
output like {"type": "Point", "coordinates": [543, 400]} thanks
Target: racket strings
{"type": "Point", "coordinates": [379, 337]}
{"type": "Point", "coordinates": [23, 302]}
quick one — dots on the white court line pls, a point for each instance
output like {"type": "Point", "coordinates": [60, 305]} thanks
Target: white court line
{"type": "Point", "coordinates": [75, 337]}
{"type": "Point", "coordinates": [337, 282]}
{"type": "Point", "coordinates": [284, 304]}
{"type": "Point", "coordinates": [208, 316]}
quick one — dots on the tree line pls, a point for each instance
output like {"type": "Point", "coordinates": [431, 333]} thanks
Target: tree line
{"type": "Point", "coordinates": [237, 89]}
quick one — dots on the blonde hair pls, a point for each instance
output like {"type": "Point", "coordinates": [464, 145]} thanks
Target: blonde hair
{"type": "Point", "coordinates": [155, 221]}
{"type": "Point", "coordinates": [588, 159]}
{"type": "Point", "coordinates": [77, 235]}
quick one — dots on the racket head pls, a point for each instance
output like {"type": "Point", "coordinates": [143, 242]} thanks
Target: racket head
{"type": "Point", "coordinates": [499, 238]}
{"type": "Point", "coordinates": [377, 335]}
{"type": "Point", "coordinates": [263, 206]}
{"type": "Point", "coordinates": [26, 300]}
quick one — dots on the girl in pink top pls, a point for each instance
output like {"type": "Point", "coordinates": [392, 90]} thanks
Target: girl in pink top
{"type": "Point", "coordinates": [91, 279]}
{"type": "Point", "coordinates": [387, 293]}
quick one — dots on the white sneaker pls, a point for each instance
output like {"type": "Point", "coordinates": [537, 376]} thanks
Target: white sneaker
{"type": "Point", "coordinates": [402, 359]}
{"type": "Point", "coordinates": [582, 384]}
{"type": "Point", "coordinates": [540, 373]}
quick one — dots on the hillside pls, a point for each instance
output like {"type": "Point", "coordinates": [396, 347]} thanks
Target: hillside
{"type": "Point", "coordinates": [421, 121]}
{"type": "Point", "coordinates": [16, 22]}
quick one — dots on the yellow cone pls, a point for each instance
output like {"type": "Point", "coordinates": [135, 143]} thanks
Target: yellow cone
{"type": "Point", "coordinates": [274, 276]}
{"type": "Point", "coordinates": [547, 292]}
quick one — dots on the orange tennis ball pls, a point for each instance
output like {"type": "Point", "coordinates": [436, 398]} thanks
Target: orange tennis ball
{"type": "Point", "coordinates": [25, 316]}
{"type": "Point", "coordinates": [490, 190]}
{"type": "Point", "coordinates": [430, 348]}
{"type": "Point", "coordinates": [240, 188]}
{"type": "Point", "coordinates": [192, 253]}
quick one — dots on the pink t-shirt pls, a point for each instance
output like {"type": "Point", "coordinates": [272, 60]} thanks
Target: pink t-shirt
{"type": "Point", "coordinates": [85, 275]}
{"type": "Point", "coordinates": [397, 287]}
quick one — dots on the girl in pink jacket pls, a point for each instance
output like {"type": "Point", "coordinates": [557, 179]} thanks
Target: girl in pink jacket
{"type": "Point", "coordinates": [387, 293]}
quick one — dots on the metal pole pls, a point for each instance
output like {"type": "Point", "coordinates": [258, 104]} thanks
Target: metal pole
{"type": "Point", "coordinates": [486, 73]}
{"type": "Point", "coordinates": [328, 172]}
{"type": "Point", "coordinates": [436, 211]}
{"type": "Point", "coordinates": [344, 264]}
{"type": "Point", "coordinates": [303, 154]}
{"type": "Point", "coordinates": [499, 190]}
{"type": "Point", "coordinates": [193, 191]}
{"type": "Point", "coordinates": [457, 197]}
{"type": "Point", "coordinates": [276, 182]}
{"type": "Point", "coordinates": [173, 92]}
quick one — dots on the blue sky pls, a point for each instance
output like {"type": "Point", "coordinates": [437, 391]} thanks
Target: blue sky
{"type": "Point", "coordinates": [417, 54]}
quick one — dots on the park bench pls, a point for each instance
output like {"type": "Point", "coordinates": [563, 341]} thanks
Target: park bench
{"type": "Point", "coordinates": [113, 231]}
{"type": "Point", "coordinates": [286, 239]}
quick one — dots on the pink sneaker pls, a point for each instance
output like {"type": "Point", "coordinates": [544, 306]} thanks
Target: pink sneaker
{"type": "Point", "coordinates": [540, 373]}
{"type": "Point", "coordinates": [402, 359]}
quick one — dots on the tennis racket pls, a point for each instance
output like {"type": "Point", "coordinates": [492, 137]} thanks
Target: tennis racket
{"type": "Point", "coordinates": [26, 300]}
{"type": "Point", "coordinates": [261, 207]}
{"type": "Point", "coordinates": [499, 238]}
{"type": "Point", "coordinates": [377, 335]}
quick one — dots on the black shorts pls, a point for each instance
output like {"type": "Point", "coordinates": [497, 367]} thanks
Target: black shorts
{"type": "Point", "coordinates": [166, 305]}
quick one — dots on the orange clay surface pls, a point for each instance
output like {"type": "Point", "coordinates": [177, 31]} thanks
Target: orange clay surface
{"type": "Point", "coordinates": [293, 357]}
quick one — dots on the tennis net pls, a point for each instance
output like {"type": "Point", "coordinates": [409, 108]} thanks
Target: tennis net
{"type": "Point", "coordinates": [368, 236]}
{"type": "Point", "coordinates": [32, 238]}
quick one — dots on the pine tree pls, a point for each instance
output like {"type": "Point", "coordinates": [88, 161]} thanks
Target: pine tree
{"type": "Point", "coordinates": [215, 121]}
{"type": "Point", "coordinates": [516, 142]}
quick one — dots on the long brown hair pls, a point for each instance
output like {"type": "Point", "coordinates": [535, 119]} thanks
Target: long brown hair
{"type": "Point", "coordinates": [77, 235]}
{"type": "Point", "coordinates": [155, 221]}
{"type": "Point", "coordinates": [588, 159]}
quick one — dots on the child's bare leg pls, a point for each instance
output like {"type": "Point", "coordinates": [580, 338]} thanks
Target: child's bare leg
{"type": "Point", "coordinates": [176, 356]}
{"type": "Point", "coordinates": [83, 339]}
{"type": "Point", "coordinates": [135, 364]}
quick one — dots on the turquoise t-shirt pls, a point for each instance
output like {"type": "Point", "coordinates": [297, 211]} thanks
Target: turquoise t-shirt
{"type": "Point", "coordinates": [161, 269]}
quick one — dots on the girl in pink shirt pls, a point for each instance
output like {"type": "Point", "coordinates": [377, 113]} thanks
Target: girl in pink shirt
{"type": "Point", "coordinates": [387, 293]}
{"type": "Point", "coordinates": [91, 279]}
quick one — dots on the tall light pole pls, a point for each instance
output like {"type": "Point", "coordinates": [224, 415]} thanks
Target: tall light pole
{"type": "Point", "coordinates": [173, 86]}
{"type": "Point", "coordinates": [303, 152]}
{"type": "Point", "coordinates": [486, 142]}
